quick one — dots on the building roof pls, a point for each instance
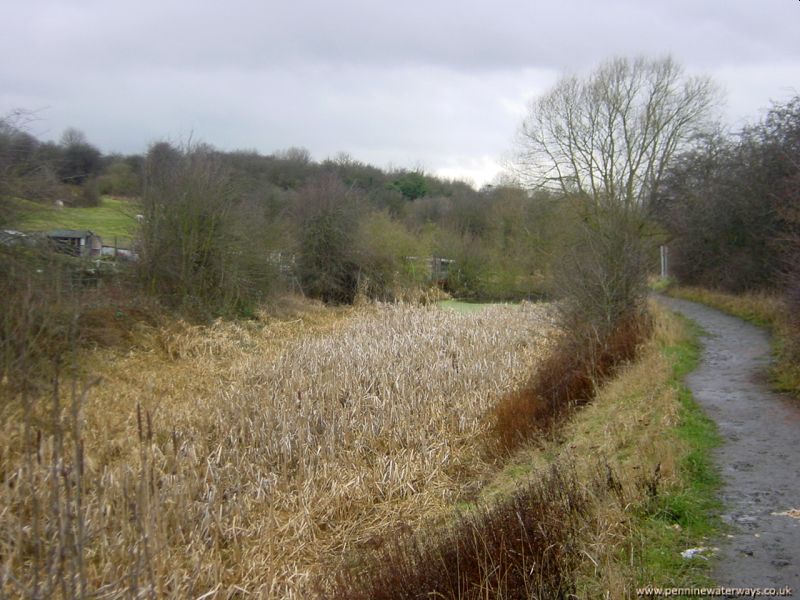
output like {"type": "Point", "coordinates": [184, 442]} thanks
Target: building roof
{"type": "Point", "coordinates": [70, 233]}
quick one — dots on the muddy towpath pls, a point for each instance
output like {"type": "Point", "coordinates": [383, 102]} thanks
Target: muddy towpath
{"type": "Point", "coordinates": [759, 459]}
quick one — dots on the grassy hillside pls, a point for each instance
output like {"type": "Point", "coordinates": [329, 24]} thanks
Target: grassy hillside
{"type": "Point", "coordinates": [115, 217]}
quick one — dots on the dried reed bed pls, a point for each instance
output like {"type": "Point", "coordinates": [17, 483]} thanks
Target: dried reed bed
{"type": "Point", "coordinates": [250, 459]}
{"type": "Point", "coordinates": [566, 517]}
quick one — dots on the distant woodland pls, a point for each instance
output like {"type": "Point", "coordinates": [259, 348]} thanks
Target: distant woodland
{"type": "Point", "coordinates": [221, 231]}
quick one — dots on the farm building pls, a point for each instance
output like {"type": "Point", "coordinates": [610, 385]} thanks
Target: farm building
{"type": "Point", "coordinates": [77, 242]}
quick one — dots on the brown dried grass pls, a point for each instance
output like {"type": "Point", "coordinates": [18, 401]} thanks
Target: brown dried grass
{"type": "Point", "coordinates": [251, 458]}
{"type": "Point", "coordinates": [525, 546]}
{"type": "Point", "coordinates": [566, 379]}
{"type": "Point", "coordinates": [563, 518]}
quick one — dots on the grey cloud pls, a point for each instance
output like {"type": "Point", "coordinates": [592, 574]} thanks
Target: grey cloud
{"type": "Point", "coordinates": [440, 83]}
{"type": "Point", "coordinates": [457, 34]}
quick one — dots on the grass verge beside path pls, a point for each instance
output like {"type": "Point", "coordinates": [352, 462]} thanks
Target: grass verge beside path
{"type": "Point", "coordinates": [684, 517]}
{"type": "Point", "coordinates": [764, 310]}
{"type": "Point", "coordinates": [646, 426]}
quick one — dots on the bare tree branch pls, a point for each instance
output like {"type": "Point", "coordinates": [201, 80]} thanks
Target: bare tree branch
{"type": "Point", "coordinates": [611, 134]}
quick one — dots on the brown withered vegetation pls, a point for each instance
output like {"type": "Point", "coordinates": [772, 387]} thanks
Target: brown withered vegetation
{"type": "Point", "coordinates": [566, 379]}
{"type": "Point", "coordinates": [524, 547]}
{"type": "Point", "coordinates": [567, 528]}
{"type": "Point", "coordinates": [250, 457]}
{"type": "Point", "coordinates": [51, 306]}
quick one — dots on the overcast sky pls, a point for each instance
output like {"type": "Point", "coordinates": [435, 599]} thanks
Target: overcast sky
{"type": "Point", "coordinates": [437, 85]}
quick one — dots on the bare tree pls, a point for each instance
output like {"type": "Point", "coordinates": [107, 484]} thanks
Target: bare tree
{"type": "Point", "coordinates": [605, 142]}
{"type": "Point", "coordinates": [611, 135]}
{"type": "Point", "coordinates": [80, 161]}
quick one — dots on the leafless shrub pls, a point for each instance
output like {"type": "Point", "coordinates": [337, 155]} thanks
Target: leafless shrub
{"type": "Point", "coordinates": [601, 273]}
{"type": "Point", "coordinates": [37, 310]}
{"type": "Point", "coordinates": [193, 249]}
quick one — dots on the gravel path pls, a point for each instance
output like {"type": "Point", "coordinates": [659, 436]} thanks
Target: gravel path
{"type": "Point", "coordinates": [760, 456]}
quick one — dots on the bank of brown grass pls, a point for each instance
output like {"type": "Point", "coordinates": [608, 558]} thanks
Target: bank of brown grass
{"type": "Point", "coordinates": [250, 458]}
{"type": "Point", "coordinates": [762, 308]}
{"type": "Point", "coordinates": [521, 547]}
{"type": "Point", "coordinates": [566, 379]}
{"type": "Point", "coordinates": [630, 427]}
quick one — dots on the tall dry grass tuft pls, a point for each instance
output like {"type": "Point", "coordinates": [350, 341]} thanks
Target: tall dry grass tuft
{"type": "Point", "coordinates": [567, 378]}
{"type": "Point", "coordinates": [526, 546]}
{"type": "Point", "coordinates": [252, 458]}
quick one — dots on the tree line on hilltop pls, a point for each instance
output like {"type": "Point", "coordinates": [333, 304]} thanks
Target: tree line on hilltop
{"type": "Point", "coordinates": [607, 167]}
{"type": "Point", "coordinates": [220, 227]}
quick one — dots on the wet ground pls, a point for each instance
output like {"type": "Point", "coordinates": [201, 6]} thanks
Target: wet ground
{"type": "Point", "coordinates": [760, 456]}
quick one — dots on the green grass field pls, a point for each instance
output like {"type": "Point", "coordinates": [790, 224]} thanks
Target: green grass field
{"type": "Point", "coordinates": [114, 218]}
